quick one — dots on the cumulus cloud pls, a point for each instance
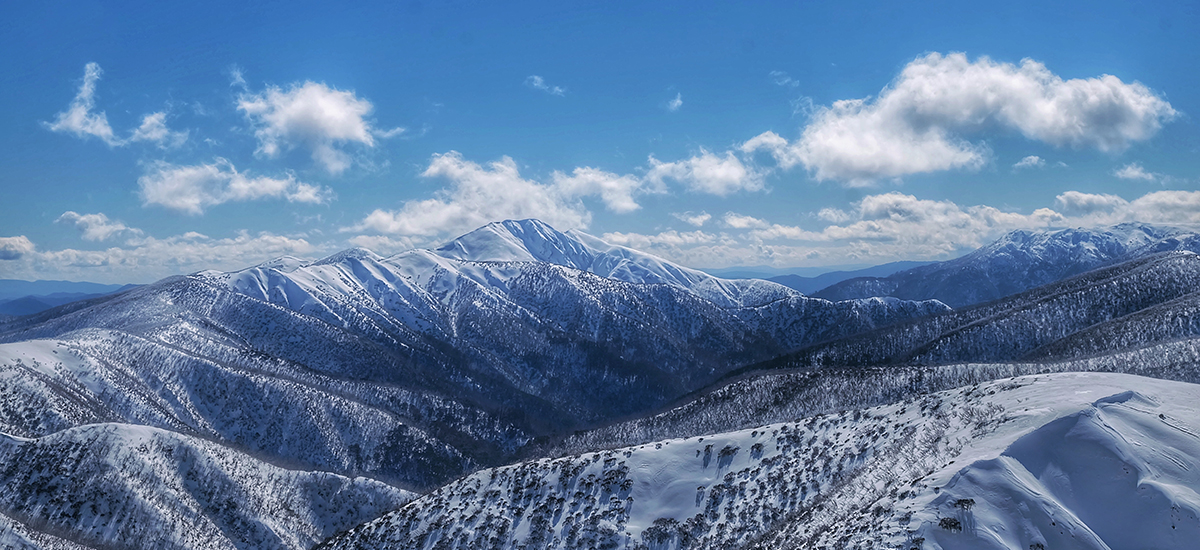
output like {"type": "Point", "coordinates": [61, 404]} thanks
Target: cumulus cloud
{"type": "Point", "coordinates": [477, 195]}
{"type": "Point", "coordinates": [96, 227]}
{"type": "Point", "coordinates": [1075, 203]}
{"type": "Point", "coordinates": [81, 120]}
{"type": "Point", "coordinates": [14, 248]}
{"type": "Point", "coordinates": [1134, 171]}
{"type": "Point", "coordinates": [616, 191]}
{"type": "Point", "coordinates": [706, 173]}
{"type": "Point", "coordinates": [193, 188]}
{"type": "Point", "coordinates": [692, 218]}
{"type": "Point", "coordinates": [1031, 161]}
{"type": "Point", "coordinates": [538, 83]}
{"type": "Point", "coordinates": [921, 121]}
{"type": "Point", "coordinates": [314, 116]}
{"type": "Point", "coordinates": [676, 103]}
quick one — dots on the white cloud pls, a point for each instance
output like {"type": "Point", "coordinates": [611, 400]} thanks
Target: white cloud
{"type": "Point", "coordinates": [738, 221]}
{"type": "Point", "coordinates": [676, 103]}
{"type": "Point", "coordinates": [616, 191]}
{"type": "Point", "coordinates": [706, 173]}
{"type": "Point", "coordinates": [538, 83]}
{"type": "Point", "coordinates": [237, 78]}
{"type": "Point", "coordinates": [314, 116]}
{"type": "Point", "coordinates": [96, 227]}
{"type": "Point", "coordinates": [193, 188]}
{"type": "Point", "coordinates": [143, 260]}
{"type": "Point", "coordinates": [781, 78]}
{"type": "Point", "coordinates": [154, 129]}
{"type": "Point", "coordinates": [477, 195]}
{"type": "Point", "coordinates": [918, 123]}
{"type": "Point", "coordinates": [1075, 203]}
{"type": "Point", "coordinates": [79, 119]}
{"type": "Point", "coordinates": [1031, 161]}
{"type": "Point", "coordinates": [1134, 171]}
{"type": "Point", "coordinates": [15, 248]}
{"type": "Point", "coordinates": [692, 218]}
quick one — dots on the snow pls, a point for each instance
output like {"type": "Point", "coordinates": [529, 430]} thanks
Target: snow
{"type": "Point", "coordinates": [1028, 451]}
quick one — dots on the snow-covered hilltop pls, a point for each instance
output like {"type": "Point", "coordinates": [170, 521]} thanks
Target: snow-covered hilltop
{"type": "Point", "coordinates": [1050, 459]}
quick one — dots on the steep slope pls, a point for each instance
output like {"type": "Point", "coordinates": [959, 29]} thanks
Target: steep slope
{"type": "Point", "coordinates": [882, 477]}
{"type": "Point", "coordinates": [1019, 261]}
{"type": "Point", "coordinates": [120, 486]}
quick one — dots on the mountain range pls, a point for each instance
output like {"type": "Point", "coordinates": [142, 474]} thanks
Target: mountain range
{"type": "Point", "coordinates": [278, 405]}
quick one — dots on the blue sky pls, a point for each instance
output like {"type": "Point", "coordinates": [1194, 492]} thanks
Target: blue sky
{"type": "Point", "coordinates": [146, 140]}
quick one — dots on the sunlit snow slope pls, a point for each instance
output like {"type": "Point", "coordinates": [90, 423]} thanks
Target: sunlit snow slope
{"type": "Point", "coordinates": [1047, 459]}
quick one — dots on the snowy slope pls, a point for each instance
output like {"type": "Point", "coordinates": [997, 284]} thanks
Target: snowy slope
{"type": "Point", "coordinates": [533, 240]}
{"type": "Point", "coordinates": [882, 477]}
{"type": "Point", "coordinates": [109, 485]}
{"type": "Point", "coordinates": [1019, 261]}
{"type": "Point", "coordinates": [1131, 304]}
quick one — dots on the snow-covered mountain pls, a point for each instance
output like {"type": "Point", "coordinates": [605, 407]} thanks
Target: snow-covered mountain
{"type": "Point", "coordinates": [275, 406]}
{"type": "Point", "coordinates": [1087, 461]}
{"type": "Point", "coordinates": [1141, 301]}
{"type": "Point", "coordinates": [1019, 261]}
{"type": "Point", "coordinates": [415, 368]}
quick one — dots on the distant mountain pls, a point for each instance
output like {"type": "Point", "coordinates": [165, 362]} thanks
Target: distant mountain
{"type": "Point", "coordinates": [809, 285]}
{"type": "Point", "coordinates": [41, 296]}
{"type": "Point", "coordinates": [1019, 261]}
{"type": "Point", "coordinates": [1131, 304]}
{"type": "Point", "coordinates": [1086, 461]}
{"type": "Point", "coordinates": [14, 288]}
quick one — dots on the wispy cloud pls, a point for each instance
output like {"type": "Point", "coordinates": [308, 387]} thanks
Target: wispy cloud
{"type": "Point", "coordinates": [692, 218]}
{"type": "Point", "coordinates": [1031, 161]}
{"type": "Point", "coordinates": [81, 120]}
{"type": "Point", "coordinates": [676, 103]}
{"type": "Point", "coordinates": [538, 83]}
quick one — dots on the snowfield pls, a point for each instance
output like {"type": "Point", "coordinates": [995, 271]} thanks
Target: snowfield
{"type": "Point", "coordinates": [1072, 460]}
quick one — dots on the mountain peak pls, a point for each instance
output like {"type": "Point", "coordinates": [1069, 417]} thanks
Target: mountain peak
{"type": "Point", "coordinates": [355, 253]}
{"type": "Point", "coordinates": [518, 240]}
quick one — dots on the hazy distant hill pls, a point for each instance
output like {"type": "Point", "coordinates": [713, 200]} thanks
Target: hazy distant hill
{"type": "Point", "coordinates": [1019, 261]}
